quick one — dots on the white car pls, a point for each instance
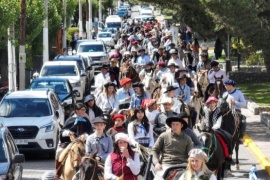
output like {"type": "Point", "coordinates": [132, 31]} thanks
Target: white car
{"type": "Point", "coordinates": [33, 118]}
{"type": "Point", "coordinates": [107, 38]}
{"type": "Point", "coordinates": [69, 70]}
{"type": "Point", "coordinates": [97, 51]}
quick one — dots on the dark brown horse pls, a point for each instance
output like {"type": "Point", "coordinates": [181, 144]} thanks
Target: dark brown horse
{"type": "Point", "coordinates": [213, 149]}
{"type": "Point", "coordinates": [127, 71]}
{"type": "Point", "coordinates": [218, 89]}
{"type": "Point", "coordinates": [231, 124]}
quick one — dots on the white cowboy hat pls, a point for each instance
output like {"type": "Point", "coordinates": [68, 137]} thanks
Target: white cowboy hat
{"type": "Point", "coordinates": [123, 137]}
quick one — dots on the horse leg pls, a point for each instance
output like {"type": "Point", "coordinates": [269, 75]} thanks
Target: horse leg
{"type": "Point", "coordinates": [236, 155]}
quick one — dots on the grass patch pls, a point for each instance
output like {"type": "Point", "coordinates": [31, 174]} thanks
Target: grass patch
{"type": "Point", "coordinates": [257, 92]}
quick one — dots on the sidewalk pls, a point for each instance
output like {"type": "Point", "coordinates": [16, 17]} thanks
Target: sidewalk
{"type": "Point", "coordinates": [257, 139]}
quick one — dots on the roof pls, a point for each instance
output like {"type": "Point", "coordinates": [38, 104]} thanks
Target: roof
{"type": "Point", "coordinates": [28, 94]}
{"type": "Point", "coordinates": [92, 42]}
{"type": "Point", "coordinates": [50, 78]}
{"type": "Point", "coordinates": [60, 63]}
{"type": "Point", "coordinates": [68, 57]}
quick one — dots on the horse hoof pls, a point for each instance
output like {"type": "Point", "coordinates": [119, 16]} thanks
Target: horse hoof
{"type": "Point", "coordinates": [237, 167]}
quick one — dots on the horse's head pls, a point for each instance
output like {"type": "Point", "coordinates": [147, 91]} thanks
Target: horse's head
{"type": "Point", "coordinates": [223, 105]}
{"type": "Point", "coordinates": [77, 151]}
{"type": "Point", "coordinates": [89, 167]}
{"type": "Point", "coordinates": [206, 139]}
{"type": "Point", "coordinates": [218, 80]}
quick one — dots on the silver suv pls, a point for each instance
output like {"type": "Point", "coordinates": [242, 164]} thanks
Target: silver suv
{"type": "Point", "coordinates": [97, 51]}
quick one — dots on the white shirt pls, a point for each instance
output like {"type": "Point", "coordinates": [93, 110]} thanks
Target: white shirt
{"type": "Point", "coordinates": [178, 62]}
{"type": "Point", "coordinates": [100, 79]}
{"type": "Point", "coordinates": [140, 133]}
{"type": "Point", "coordinates": [133, 164]}
{"type": "Point", "coordinates": [212, 74]}
{"type": "Point", "coordinates": [104, 103]}
{"type": "Point", "coordinates": [151, 115]}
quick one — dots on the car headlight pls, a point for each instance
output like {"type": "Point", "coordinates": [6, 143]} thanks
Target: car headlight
{"type": "Point", "coordinates": [48, 127]}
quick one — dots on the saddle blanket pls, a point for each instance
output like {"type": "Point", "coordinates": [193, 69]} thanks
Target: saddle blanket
{"type": "Point", "coordinates": [223, 144]}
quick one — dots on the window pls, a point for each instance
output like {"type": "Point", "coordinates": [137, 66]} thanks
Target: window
{"type": "Point", "coordinates": [91, 48]}
{"type": "Point", "coordinates": [3, 152]}
{"type": "Point", "coordinates": [104, 35]}
{"type": "Point", "coordinates": [60, 70]}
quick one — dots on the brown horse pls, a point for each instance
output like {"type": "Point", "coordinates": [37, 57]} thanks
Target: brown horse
{"type": "Point", "coordinates": [71, 158]}
{"type": "Point", "coordinates": [127, 71]}
{"type": "Point", "coordinates": [218, 89]}
{"type": "Point", "coordinates": [90, 169]}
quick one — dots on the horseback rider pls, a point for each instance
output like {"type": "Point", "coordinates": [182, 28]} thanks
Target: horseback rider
{"type": "Point", "coordinates": [197, 168]}
{"type": "Point", "coordinates": [99, 141]}
{"type": "Point", "coordinates": [125, 93]}
{"type": "Point", "coordinates": [162, 69]}
{"type": "Point", "coordinates": [169, 78]}
{"type": "Point", "coordinates": [170, 92]}
{"type": "Point", "coordinates": [175, 59]}
{"type": "Point", "coordinates": [148, 70]}
{"type": "Point", "coordinates": [213, 121]}
{"type": "Point", "coordinates": [143, 58]}
{"type": "Point", "coordinates": [139, 96]}
{"type": "Point", "coordinates": [77, 126]}
{"type": "Point", "coordinates": [184, 89]}
{"type": "Point", "coordinates": [151, 110]}
{"type": "Point", "coordinates": [100, 79]}
{"type": "Point", "coordinates": [213, 73]}
{"type": "Point", "coordinates": [122, 163]}
{"type": "Point", "coordinates": [204, 64]}
{"type": "Point", "coordinates": [189, 81]}
{"type": "Point", "coordinates": [160, 119]}
{"type": "Point", "coordinates": [236, 100]}
{"type": "Point", "coordinates": [176, 152]}
{"type": "Point", "coordinates": [92, 109]}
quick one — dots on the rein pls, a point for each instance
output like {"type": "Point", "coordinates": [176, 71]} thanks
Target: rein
{"type": "Point", "coordinates": [210, 155]}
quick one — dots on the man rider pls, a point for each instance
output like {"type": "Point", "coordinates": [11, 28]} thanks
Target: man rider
{"type": "Point", "coordinates": [100, 78]}
{"type": "Point", "coordinates": [236, 100]}
{"type": "Point", "coordinates": [176, 151]}
{"type": "Point", "coordinates": [160, 120]}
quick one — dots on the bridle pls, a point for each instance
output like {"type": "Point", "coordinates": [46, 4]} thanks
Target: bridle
{"type": "Point", "coordinates": [213, 145]}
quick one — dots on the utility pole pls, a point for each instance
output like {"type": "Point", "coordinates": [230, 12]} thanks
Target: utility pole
{"type": "Point", "coordinates": [80, 20]}
{"type": "Point", "coordinates": [99, 11]}
{"type": "Point", "coordinates": [45, 34]}
{"type": "Point", "coordinates": [87, 19]}
{"type": "Point", "coordinates": [12, 83]}
{"type": "Point", "coordinates": [90, 19]}
{"type": "Point", "coordinates": [22, 55]}
{"type": "Point", "coordinates": [64, 38]}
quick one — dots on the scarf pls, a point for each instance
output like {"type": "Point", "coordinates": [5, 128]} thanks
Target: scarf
{"type": "Point", "coordinates": [79, 118]}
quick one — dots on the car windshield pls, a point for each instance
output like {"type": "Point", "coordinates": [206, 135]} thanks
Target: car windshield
{"type": "Point", "coordinates": [113, 24]}
{"type": "Point", "coordinates": [91, 48]}
{"type": "Point", "coordinates": [25, 107]}
{"type": "Point", "coordinates": [60, 70]}
{"type": "Point", "coordinates": [3, 153]}
{"type": "Point", "coordinates": [104, 35]}
{"type": "Point", "coordinates": [60, 87]}
{"type": "Point", "coordinates": [124, 10]}
{"type": "Point", "coordinates": [80, 63]}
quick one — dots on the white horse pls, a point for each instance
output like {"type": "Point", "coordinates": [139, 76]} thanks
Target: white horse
{"type": "Point", "coordinates": [149, 82]}
{"type": "Point", "coordinates": [203, 81]}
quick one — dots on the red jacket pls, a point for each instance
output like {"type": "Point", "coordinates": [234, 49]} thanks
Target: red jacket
{"type": "Point", "coordinates": [119, 166]}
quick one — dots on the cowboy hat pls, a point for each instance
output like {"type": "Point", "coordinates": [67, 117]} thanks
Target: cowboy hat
{"type": "Point", "coordinates": [137, 84]}
{"type": "Point", "coordinates": [176, 119]}
{"type": "Point", "coordinates": [182, 76]}
{"type": "Point", "coordinates": [172, 64]}
{"type": "Point", "coordinates": [173, 51]}
{"type": "Point", "coordinates": [109, 84]}
{"type": "Point", "coordinates": [214, 63]}
{"type": "Point", "coordinates": [166, 100]}
{"type": "Point", "coordinates": [170, 88]}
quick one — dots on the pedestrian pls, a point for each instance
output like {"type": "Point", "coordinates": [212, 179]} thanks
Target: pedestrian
{"type": "Point", "coordinates": [197, 168]}
{"type": "Point", "coordinates": [218, 48]}
{"type": "Point", "coordinates": [252, 173]}
{"type": "Point", "coordinates": [122, 163]}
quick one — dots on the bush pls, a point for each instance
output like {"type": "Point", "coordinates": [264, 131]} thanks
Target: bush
{"type": "Point", "coordinates": [255, 59]}
{"type": "Point", "coordinates": [70, 32]}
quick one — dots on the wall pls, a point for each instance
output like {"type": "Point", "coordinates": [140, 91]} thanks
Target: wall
{"type": "Point", "coordinates": [249, 77]}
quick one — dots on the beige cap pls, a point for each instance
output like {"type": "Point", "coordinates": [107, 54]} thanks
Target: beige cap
{"type": "Point", "coordinates": [198, 153]}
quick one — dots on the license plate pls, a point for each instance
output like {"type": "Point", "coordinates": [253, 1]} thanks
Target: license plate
{"type": "Point", "coordinates": [21, 141]}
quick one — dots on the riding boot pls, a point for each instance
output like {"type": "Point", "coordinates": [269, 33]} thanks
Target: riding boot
{"type": "Point", "coordinates": [58, 169]}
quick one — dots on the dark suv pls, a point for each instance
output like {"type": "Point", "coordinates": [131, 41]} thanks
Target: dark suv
{"type": "Point", "coordinates": [10, 158]}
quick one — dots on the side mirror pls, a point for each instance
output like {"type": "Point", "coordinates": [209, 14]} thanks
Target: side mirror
{"type": "Point", "coordinates": [18, 158]}
{"type": "Point", "coordinates": [77, 93]}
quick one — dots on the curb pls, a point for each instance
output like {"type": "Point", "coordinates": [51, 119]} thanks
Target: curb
{"type": "Point", "coordinates": [264, 162]}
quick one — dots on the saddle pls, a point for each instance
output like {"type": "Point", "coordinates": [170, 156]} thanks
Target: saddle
{"type": "Point", "coordinates": [223, 144]}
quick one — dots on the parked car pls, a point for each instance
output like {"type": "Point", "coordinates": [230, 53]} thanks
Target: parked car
{"type": "Point", "coordinates": [127, 7]}
{"type": "Point", "coordinates": [97, 51]}
{"type": "Point", "coordinates": [107, 38]}
{"type": "Point", "coordinates": [84, 64]}
{"type": "Point", "coordinates": [33, 117]}
{"type": "Point", "coordinates": [10, 158]}
{"type": "Point", "coordinates": [66, 69]}
{"type": "Point", "coordinates": [62, 88]}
